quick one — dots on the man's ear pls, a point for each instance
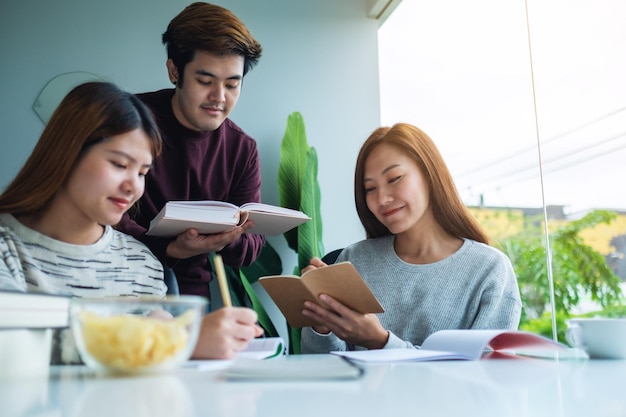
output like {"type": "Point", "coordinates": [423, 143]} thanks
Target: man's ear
{"type": "Point", "coordinates": [172, 71]}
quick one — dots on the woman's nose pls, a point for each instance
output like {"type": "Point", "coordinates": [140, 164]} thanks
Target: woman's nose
{"type": "Point", "coordinates": [133, 184]}
{"type": "Point", "coordinates": [384, 196]}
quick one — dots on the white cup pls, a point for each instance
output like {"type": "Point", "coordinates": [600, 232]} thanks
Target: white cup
{"type": "Point", "coordinates": [601, 338]}
{"type": "Point", "coordinates": [25, 352]}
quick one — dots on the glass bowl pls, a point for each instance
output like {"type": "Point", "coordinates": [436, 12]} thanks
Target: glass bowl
{"type": "Point", "coordinates": [136, 334]}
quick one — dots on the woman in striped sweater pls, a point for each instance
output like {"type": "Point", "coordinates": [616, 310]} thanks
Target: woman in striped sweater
{"type": "Point", "coordinates": [56, 236]}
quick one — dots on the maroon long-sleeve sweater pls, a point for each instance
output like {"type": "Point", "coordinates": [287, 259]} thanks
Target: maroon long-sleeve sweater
{"type": "Point", "coordinates": [219, 165]}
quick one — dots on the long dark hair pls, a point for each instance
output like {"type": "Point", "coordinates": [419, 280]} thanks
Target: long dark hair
{"type": "Point", "coordinates": [89, 114]}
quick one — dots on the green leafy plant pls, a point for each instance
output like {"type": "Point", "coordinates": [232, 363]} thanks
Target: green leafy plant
{"type": "Point", "coordinates": [298, 189]}
{"type": "Point", "coordinates": [577, 268]}
{"type": "Point", "coordinates": [543, 325]}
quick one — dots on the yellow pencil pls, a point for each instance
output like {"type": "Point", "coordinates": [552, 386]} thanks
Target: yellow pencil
{"type": "Point", "coordinates": [221, 279]}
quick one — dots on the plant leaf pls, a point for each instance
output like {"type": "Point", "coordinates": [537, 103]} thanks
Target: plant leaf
{"type": "Point", "coordinates": [299, 189]}
{"type": "Point", "coordinates": [268, 263]}
{"type": "Point", "coordinates": [310, 233]}
{"type": "Point", "coordinates": [291, 169]}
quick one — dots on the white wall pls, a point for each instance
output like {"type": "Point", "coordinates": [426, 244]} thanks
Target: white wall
{"type": "Point", "coordinates": [320, 58]}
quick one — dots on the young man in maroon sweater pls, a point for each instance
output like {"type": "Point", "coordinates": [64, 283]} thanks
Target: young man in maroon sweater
{"type": "Point", "coordinates": [205, 155]}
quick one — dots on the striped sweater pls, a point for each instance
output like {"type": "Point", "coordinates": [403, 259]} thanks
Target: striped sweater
{"type": "Point", "coordinates": [116, 265]}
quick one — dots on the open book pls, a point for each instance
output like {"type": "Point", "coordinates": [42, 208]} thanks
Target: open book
{"type": "Point", "coordinates": [219, 216]}
{"type": "Point", "coordinates": [260, 348]}
{"type": "Point", "coordinates": [263, 348]}
{"type": "Point", "coordinates": [341, 281]}
{"type": "Point", "coordinates": [463, 344]}
{"type": "Point", "coordinates": [20, 310]}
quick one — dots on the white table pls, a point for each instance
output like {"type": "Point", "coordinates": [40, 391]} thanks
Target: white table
{"type": "Point", "coordinates": [516, 387]}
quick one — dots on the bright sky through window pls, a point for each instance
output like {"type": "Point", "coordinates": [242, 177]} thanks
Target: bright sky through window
{"type": "Point", "coordinates": [462, 72]}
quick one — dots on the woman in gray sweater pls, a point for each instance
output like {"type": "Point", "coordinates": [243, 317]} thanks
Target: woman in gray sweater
{"type": "Point", "coordinates": [425, 258]}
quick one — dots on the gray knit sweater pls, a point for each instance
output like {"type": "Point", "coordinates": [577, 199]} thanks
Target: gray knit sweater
{"type": "Point", "coordinates": [474, 288]}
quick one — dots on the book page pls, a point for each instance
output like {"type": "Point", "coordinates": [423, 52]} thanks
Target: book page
{"type": "Point", "coordinates": [275, 223]}
{"type": "Point", "coordinates": [258, 349]}
{"type": "Point", "coordinates": [221, 215]}
{"type": "Point", "coordinates": [208, 217]}
{"type": "Point", "coordinates": [211, 217]}
{"type": "Point", "coordinates": [174, 227]}
{"type": "Point", "coordinates": [203, 203]}
{"type": "Point", "coordinates": [462, 344]}
{"type": "Point", "coordinates": [398, 355]}
{"type": "Point", "coordinates": [268, 208]}
{"type": "Point", "coordinates": [263, 348]}
{"type": "Point", "coordinates": [471, 343]}
{"type": "Point", "coordinates": [476, 343]}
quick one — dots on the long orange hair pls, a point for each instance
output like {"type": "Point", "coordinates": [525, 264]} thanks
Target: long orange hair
{"type": "Point", "coordinates": [448, 209]}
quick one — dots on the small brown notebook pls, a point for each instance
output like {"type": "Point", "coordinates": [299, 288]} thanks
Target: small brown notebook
{"type": "Point", "coordinates": [341, 281]}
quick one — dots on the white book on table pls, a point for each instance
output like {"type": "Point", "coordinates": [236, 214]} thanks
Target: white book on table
{"type": "Point", "coordinates": [22, 310]}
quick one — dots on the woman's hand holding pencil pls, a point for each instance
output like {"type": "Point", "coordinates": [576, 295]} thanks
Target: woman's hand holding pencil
{"type": "Point", "coordinates": [228, 330]}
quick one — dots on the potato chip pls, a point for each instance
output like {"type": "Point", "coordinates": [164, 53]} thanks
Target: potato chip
{"type": "Point", "coordinates": [131, 342]}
